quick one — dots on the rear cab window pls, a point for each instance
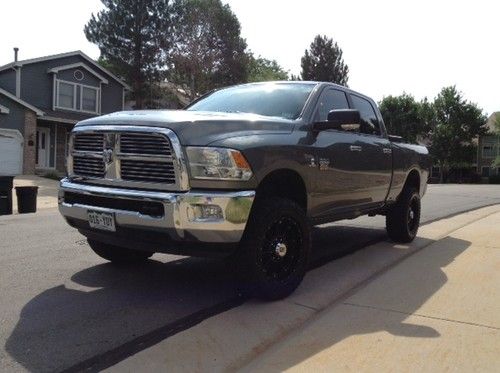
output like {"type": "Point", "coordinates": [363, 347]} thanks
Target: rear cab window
{"type": "Point", "coordinates": [369, 122]}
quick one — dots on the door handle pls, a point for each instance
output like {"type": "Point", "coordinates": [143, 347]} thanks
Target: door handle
{"type": "Point", "coordinates": [355, 148]}
{"type": "Point", "coordinates": [387, 150]}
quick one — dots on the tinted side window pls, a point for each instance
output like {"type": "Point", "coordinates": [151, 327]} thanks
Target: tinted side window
{"type": "Point", "coordinates": [369, 121]}
{"type": "Point", "coordinates": [331, 99]}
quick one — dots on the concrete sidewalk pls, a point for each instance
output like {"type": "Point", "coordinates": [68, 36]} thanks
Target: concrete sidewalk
{"type": "Point", "coordinates": [433, 305]}
{"type": "Point", "coordinates": [437, 311]}
{"type": "Point", "coordinates": [47, 190]}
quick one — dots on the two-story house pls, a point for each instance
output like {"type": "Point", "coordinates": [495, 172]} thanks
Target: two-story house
{"type": "Point", "coordinates": [488, 149]}
{"type": "Point", "coordinates": [44, 97]}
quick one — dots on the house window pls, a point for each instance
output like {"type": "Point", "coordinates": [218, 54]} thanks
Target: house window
{"type": "Point", "coordinates": [66, 95]}
{"type": "Point", "coordinates": [485, 171]}
{"type": "Point", "coordinates": [77, 97]}
{"type": "Point", "coordinates": [89, 99]}
{"type": "Point", "coordinates": [488, 151]}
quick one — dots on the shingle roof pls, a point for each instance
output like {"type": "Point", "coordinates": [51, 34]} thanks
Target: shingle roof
{"type": "Point", "coordinates": [62, 55]}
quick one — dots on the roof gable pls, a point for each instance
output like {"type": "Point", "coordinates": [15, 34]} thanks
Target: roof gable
{"type": "Point", "coordinates": [21, 102]}
{"type": "Point", "coordinates": [75, 65]}
{"type": "Point", "coordinates": [68, 54]}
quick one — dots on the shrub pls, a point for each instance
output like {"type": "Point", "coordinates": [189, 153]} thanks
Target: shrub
{"type": "Point", "coordinates": [494, 179]}
{"type": "Point", "coordinates": [52, 175]}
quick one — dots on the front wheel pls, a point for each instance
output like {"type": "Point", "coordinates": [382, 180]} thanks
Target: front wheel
{"type": "Point", "coordinates": [274, 251]}
{"type": "Point", "coordinates": [403, 219]}
{"type": "Point", "coordinates": [119, 255]}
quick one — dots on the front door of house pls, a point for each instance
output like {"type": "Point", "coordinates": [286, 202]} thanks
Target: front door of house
{"type": "Point", "coordinates": [42, 147]}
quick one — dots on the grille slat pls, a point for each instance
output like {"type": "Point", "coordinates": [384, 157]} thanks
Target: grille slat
{"type": "Point", "coordinates": [147, 143]}
{"type": "Point", "coordinates": [160, 172]}
{"type": "Point", "coordinates": [89, 142]}
{"type": "Point", "coordinates": [142, 157]}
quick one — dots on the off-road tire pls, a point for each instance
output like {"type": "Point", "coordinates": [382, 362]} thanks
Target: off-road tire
{"type": "Point", "coordinates": [403, 218]}
{"type": "Point", "coordinates": [274, 251]}
{"type": "Point", "coordinates": [118, 255]}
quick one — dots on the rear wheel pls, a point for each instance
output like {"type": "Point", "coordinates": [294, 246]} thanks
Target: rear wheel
{"type": "Point", "coordinates": [274, 251]}
{"type": "Point", "coordinates": [403, 219]}
{"type": "Point", "coordinates": [118, 254]}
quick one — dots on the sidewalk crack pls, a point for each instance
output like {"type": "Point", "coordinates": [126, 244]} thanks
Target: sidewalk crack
{"type": "Point", "coordinates": [424, 316]}
{"type": "Point", "coordinates": [305, 306]}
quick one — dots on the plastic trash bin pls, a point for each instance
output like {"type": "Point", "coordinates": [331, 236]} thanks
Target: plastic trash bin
{"type": "Point", "coordinates": [26, 199]}
{"type": "Point", "coordinates": [6, 184]}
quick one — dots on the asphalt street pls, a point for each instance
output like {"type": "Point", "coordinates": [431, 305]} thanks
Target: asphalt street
{"type": "Point", "coordinates": [62, 307]}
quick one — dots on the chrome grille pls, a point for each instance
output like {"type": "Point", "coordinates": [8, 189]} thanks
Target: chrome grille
{"type": "Point", "coordinates": [93, 142]}
{"type": "Point", "coordinates": [128, 156]}
{"type": "Point", "coordinates": [153, 172]}
{"type": "Point", "coordinates": [144, 143]}
{"type": "Point", "coordinates": [88, 166]}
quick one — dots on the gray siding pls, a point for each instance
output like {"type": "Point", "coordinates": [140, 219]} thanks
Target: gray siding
{"type": "Point", "coordinates": [8, 80]}
{"type": "Point", "coordinates": [112, 97]}
{"type": "Point", "coordinates": [15, 119]}
{"type": "Point", "coordinates": [37, 85]}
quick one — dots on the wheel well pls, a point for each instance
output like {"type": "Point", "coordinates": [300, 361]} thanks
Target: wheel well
{"type": "Point", "coordinates": [413, 180]}
{"type": "Point", "coordinates": [284, 183]}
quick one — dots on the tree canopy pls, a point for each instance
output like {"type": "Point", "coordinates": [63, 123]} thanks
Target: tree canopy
{"type": "Point", "coordinates": [403, 116]}
{"type": "Point", "coordinates": [208, 51]}
{"type": "Point", "coordinates": [323, 62]}
{"type": "Point", "coordinates": [457, 123]}
{"type": "Point", "coordinates": [261, 69]}
{"type": "Point", "coordinates": [131, 36]}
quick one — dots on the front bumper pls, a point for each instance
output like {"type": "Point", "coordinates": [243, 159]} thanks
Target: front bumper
{"type": "Point", "coordinates": [177, 214]}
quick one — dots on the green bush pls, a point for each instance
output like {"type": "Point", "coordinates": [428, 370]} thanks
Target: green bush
{"type": "Point", "coordinates": [494, 179]}
{"type": "Point", "coordinates": [52, 175]}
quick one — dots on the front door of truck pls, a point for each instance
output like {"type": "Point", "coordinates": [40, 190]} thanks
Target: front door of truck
{"type": "Point", "coordinates": [354, 170]}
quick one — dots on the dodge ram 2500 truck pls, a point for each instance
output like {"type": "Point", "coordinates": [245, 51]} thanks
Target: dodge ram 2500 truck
{"type": "Point", "coordinates": [246, 171]}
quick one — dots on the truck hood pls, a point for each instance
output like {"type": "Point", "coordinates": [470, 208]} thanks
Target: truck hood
{"type": "Point", "coordinates": [197, 127]}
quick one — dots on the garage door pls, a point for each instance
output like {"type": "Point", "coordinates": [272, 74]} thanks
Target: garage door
{"type": "Point", "coordinates": [11, 152]}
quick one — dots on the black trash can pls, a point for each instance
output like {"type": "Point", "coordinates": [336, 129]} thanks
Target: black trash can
{"type": "Point", "coordinates": [6, 184]}
{"type": "Point", "coordinates": [26, 199]}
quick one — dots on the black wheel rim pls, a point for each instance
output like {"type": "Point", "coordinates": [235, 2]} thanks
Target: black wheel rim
{"type": "Point", "coordinates": [413, 215]}
{"type": "Point", "coordinates": [281, 248]}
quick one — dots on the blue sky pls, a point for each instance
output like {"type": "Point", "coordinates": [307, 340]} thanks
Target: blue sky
{"type": "Point", "coordinates": [390, 46]}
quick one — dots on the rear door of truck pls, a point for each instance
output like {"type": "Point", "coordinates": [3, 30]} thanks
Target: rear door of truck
{"type": "Point", "coordinates": [376, 160]}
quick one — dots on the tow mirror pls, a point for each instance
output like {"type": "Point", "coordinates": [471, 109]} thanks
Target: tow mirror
{"type": "Point", "coordinates": [344, 120]}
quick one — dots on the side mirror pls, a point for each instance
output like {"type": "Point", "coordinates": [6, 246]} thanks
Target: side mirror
{"type": "Point", "coordinates": [345, 120]}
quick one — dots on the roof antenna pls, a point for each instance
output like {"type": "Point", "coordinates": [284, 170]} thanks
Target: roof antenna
{"type": "Point", "coordinates": [16, 50]}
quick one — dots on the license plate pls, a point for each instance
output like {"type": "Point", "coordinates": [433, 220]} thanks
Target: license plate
{"type": "Point", "coordinates": [102, 220]}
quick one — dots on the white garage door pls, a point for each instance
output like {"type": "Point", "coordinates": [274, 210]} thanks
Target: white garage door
{"type": "Point", "coordinates": [11, 152]}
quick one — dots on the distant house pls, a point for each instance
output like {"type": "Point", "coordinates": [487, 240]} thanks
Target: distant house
{"type": "Point", "coordinates": [44, 97]}
{"type": "Point", "coordinates": [488, 149]}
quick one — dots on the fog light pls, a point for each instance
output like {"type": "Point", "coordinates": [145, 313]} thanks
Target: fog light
{"type": "Point", "coordinates": [207, 213]}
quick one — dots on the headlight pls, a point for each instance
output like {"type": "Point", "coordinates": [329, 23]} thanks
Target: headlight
{"type": "Point", "coordinates": [218, 164]}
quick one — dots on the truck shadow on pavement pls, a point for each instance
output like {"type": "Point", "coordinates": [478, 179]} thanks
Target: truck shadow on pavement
{"type": "Point", "coordinates": [390, 305]}
{"type": "Point", "coordinates": [104, 308]}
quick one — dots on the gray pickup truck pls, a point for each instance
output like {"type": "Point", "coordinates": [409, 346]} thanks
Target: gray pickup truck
{"type": "Point", "coordinates": [243, 171]}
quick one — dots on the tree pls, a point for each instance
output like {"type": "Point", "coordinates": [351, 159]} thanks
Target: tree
{"type": "Point", "coordinates": [133, 36]}
{"type": "Point", "coordinates": [406, 117]}
{"type": "Point", "coordinates": [261, 70]}
{"type": "Point", "coordinates": [209, 51]}
{"type": "Point", "coordinates": [457, 123]}
{"type": "Point", "coordinates": [323, 62]}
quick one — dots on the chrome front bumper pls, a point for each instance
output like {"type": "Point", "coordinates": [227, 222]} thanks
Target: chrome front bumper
{"type": "Point", "coordinates": [181, 219]}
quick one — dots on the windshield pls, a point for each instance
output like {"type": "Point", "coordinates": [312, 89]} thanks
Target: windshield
{"type": "Point", "coordinates": [269, 99]}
